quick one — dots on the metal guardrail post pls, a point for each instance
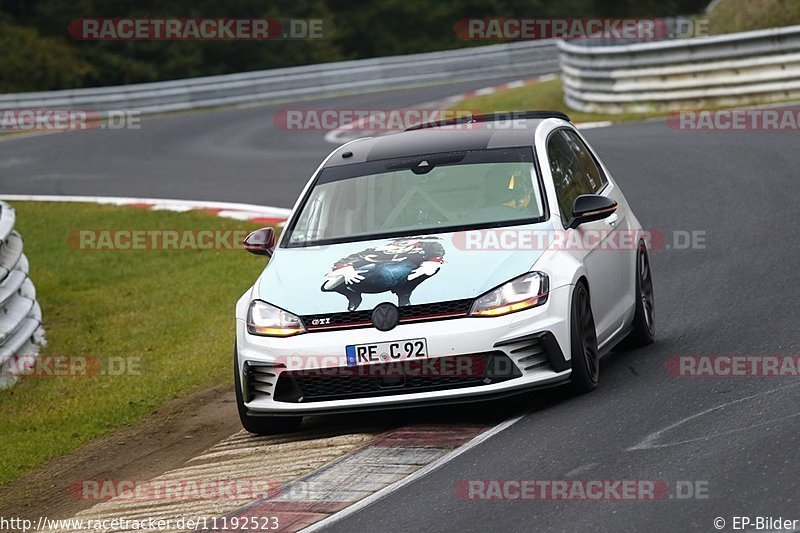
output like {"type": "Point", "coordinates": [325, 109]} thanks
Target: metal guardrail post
{"type": "Point", "coordinates": [735, 69]}
{"type": "Point", "coordinates": [309, 81]}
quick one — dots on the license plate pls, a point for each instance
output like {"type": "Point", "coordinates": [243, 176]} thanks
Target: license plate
{"type": "Point", "coordinates": [386, 352]}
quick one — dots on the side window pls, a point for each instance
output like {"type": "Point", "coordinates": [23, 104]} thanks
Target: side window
{"type": "Point", "coordinates": [593, 175]}
{"type": "Point", "coordinates": [573, 168]}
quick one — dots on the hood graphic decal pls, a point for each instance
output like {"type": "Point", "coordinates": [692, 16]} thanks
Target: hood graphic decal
{"type": "Point", "coordinates": [407, 271]}
{"type": "Point", "coordinates": [398, 266]}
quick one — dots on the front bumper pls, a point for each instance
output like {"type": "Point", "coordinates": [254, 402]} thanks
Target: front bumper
{"type": "Point", "coordinates": [534, 342]}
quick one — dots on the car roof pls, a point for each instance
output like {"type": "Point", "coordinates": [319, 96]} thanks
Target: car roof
{"type": "Point", "coordinates": [464, 133]}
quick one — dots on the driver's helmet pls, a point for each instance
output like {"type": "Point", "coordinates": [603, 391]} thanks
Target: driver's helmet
{"type": "Point", "coordinates": [511, 190]}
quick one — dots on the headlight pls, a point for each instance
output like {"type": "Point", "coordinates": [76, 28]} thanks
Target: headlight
{"type": "Point", "coordinates": [524, 292]}
{"type": "Point", "coordinates": [270, 321]}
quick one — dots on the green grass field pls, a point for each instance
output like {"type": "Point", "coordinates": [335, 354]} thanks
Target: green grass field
{"type": "Point", "coordinates": [731, 16]}
{"type": "Point", "coordinates": [547, 94]}
{"type": "Point", "coordinates": [170, 312]}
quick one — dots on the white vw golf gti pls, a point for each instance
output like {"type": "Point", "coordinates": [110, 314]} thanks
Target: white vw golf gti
{"type": "Point", "coordinates": [456, 261]}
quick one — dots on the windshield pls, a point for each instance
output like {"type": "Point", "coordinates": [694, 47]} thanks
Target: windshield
{"type": "Point", "coordinates": [426, 194]}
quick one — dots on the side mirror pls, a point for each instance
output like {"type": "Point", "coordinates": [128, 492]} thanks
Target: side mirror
{"type": "Point", "coordinates": [260, 242]}
{"type": "Point", "coordinates": [591, 207]}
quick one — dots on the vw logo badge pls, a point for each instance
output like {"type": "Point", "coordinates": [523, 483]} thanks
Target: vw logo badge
{"type": "Point", "coordinates": [385, 316]}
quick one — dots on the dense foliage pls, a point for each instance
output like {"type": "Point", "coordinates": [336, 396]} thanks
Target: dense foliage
{"type": "Point", "coordinates": [38, 53]}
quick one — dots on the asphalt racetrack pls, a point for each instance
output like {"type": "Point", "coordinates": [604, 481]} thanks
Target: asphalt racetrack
{"type": "Point", "coordinates": [736, 438]}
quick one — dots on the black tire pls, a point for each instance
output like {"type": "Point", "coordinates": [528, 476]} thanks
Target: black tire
{"type": "Point", "coordinates": [583, 337]}
{"type": "Point", "coordinates": [644, 330]}
{"type": "Point", "coordinates": [264, 424]}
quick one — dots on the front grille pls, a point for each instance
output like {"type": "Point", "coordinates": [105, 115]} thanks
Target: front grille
{"type": "Point", "coordinates": [441, 373]}
{"type": "Point", "coordinates": [408, 313]}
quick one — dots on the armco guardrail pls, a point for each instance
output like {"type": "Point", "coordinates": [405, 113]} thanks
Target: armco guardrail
{"type": "Point", "coordinates": [736, 69]}
{"type": "Point", "coordinates": [310, 81]}
{"type": "Point", "coordinates": [21, 333]}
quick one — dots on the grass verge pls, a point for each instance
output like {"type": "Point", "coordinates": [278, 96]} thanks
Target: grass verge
{"type": "Point", "coordinates": [731, 16]}
{"type": "Point", "coordinates": [167, 313]}
{"type": "Point", "coordinates": [547, 94]}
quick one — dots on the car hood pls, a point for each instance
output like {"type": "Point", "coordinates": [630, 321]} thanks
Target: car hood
{"type": "Point", "coordinates": [408, 270]}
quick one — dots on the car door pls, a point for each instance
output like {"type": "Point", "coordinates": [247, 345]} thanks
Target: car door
{"type": "Point", "coordinates": [575, 172]}
{"type": "Point", "coordinates": [622, 242]}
